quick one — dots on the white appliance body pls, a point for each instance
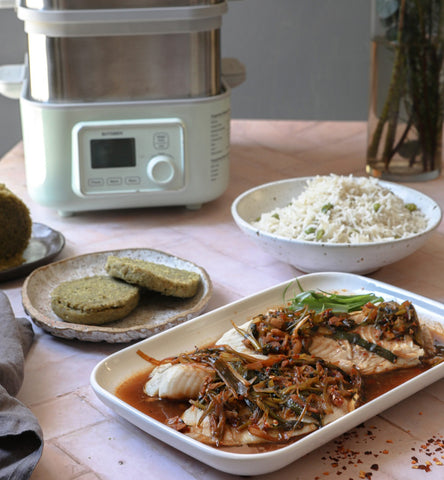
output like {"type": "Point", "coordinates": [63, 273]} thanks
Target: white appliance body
{"type": "Point", "coordinates": [123, 104]}
{"type": "Point", "coordinates": [81, 156]}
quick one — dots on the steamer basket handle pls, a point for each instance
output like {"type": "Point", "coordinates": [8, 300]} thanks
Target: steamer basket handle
{"type": "Point", "coordinates": [11, 80]}
{"type": "Point", "coordinates": [233, 72]}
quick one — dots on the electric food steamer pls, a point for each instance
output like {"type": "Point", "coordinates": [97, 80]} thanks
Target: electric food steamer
{"type": "Point", "coordinates": [123, 103]}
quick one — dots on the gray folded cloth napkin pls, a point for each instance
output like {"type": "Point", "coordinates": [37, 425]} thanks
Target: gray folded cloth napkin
{"type": "Point", "coordinates": [21, 438]}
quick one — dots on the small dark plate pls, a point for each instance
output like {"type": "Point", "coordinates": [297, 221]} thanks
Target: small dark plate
{"type": "Point", "coordinates": [44, 245]}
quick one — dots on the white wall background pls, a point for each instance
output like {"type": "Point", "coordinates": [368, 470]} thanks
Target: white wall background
{"type": "Point", "coordinates": [12, 50]}
{"type": "Point", "coordinates": [305, 59]}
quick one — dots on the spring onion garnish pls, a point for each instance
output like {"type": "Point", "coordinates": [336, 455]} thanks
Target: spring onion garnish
{"type": "Point", "coordinates": [256, 345]}
{"type": "Point", "coordinates": [356, 339]}
{"type": "Point", "coordinates": [234, 381]}
{"type": "Point", "coordinates": [320, 301]}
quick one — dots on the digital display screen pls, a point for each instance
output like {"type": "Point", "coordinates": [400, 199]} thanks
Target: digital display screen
{"type": "Point", "coordinates": [113, 153]}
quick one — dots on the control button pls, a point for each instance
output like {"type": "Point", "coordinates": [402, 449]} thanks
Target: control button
{"type": "Point", "coordinates": [114, 181]}
{"type": "Point", "coordinates": [132, 180]}
{"type": "Point", "coordinates": [96, 182]}
{"type": "Point", "coordinates": [161, 170]}
{"type": "Point", "coordinates": [161, 140]}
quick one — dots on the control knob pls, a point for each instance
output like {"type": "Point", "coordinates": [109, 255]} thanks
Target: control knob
{"type": "Point", "coordinates": [161, 169]}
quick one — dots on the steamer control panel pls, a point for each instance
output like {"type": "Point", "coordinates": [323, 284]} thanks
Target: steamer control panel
{"type": "Point", "coordinates": [128, 156]}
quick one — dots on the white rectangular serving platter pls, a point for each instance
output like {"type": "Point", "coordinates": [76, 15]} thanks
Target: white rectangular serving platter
{"type": "Point", "coordinates": [207, 328]}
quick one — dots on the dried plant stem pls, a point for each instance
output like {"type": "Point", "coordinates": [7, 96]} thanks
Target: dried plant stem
{"type": "Point", "coordinates": [390, 110]}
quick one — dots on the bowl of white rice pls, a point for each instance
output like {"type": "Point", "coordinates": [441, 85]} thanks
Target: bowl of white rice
{"type": "Point", "coordinates": [336, 223]}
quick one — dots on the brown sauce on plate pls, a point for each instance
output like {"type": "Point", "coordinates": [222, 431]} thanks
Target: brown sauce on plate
{"type": "Point", "coordinates": [378, 384]}
{"type": "Point", "coordinates": [131, 392]}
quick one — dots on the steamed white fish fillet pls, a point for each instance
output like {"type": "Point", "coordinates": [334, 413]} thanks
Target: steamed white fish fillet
{"type": "Point", "coordinates": [233, 437]}
{"type": "Point", "coordinates": [348, 356]}
{"type": "Point", "coordinates": [235, 340]}
{"type": "Point", "coordinates": [180, 381]}
{"type": "Point", "coordinates": [183, 381]}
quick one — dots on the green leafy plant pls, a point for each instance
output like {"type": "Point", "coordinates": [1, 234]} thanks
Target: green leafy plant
{"type": "Point", "coordinates": [410, 121]}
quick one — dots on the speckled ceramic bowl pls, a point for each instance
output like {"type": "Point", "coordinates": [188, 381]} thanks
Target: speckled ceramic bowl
{"type": "Point", "coordinates": [309, 256]}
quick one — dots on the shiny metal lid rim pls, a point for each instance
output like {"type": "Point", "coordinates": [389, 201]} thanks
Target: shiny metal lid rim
{"type": "Point", "coordinates": [122, 14]}
{"type": "Point", "coordinates": [109, 4]}
{"type": "Point", "coordinates": [131, 22]}
{"type": "Point", "coordinates": [116, 29]}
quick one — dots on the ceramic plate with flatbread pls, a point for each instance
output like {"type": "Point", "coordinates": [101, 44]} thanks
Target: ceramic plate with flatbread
{"type": "Point", "coordinates": [154, 313]}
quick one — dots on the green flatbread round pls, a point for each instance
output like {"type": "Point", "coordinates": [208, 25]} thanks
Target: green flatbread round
{"type": "Point", "coordinates": [94, 300]}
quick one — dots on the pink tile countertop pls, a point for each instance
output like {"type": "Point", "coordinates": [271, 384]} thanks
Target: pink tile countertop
{"type": "Point", "coordinates": [85, 440]}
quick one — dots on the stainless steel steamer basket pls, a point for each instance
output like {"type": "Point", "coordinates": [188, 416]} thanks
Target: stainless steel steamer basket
{"type": "Point", "coordinates": [106, 4]}
{"type": "Point", "coordinates": [111, 50]}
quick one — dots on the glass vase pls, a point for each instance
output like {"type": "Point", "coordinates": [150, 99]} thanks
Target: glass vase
{"type": "Point", "coordinates": [405, 123]}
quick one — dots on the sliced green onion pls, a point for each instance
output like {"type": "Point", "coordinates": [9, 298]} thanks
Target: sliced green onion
{"type": "Point", "coordinates": [319, 301]}
{"type": "Point", "coordinates": [256, 345]}
{"type": "Point", "coordinates": [356, 339]}
{"type": "Point", "coordinates": [234, 381]}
